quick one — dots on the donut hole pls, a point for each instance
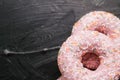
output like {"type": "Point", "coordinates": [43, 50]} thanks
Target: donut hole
{"type": "Point", "coordinates": [90, 61]}
{"type": "Point", "coordinates": [117, 77]}
{"type": "Point", "coordinates": [102, 29]}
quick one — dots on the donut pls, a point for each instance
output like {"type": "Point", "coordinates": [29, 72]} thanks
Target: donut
{"type": "Point", "coordinates": [101, 21]}
{"type": "Point", "coordinates": [89, 55]}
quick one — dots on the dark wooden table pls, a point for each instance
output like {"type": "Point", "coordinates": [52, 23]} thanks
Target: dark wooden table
{"type": "Point", "coordinates": [27, 25]}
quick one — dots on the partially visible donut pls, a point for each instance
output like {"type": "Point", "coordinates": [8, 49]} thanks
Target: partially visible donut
{"type": "Point", "coordinates": [89, 55]}
{"type": "Point", "coordinates": [101, 21]}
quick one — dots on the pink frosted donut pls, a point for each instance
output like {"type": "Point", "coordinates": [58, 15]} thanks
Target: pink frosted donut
{"type": "Point", "coordinates": [89, 55]}
{"type": "Point", "coordinates": [100, 21]}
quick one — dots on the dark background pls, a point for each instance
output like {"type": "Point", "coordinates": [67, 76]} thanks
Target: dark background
{"type": "Point", "coordinates": [27, 25]}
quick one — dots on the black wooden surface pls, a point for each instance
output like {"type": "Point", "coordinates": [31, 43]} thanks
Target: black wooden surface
{"type": "Point", "coordinates": [27, 25]}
